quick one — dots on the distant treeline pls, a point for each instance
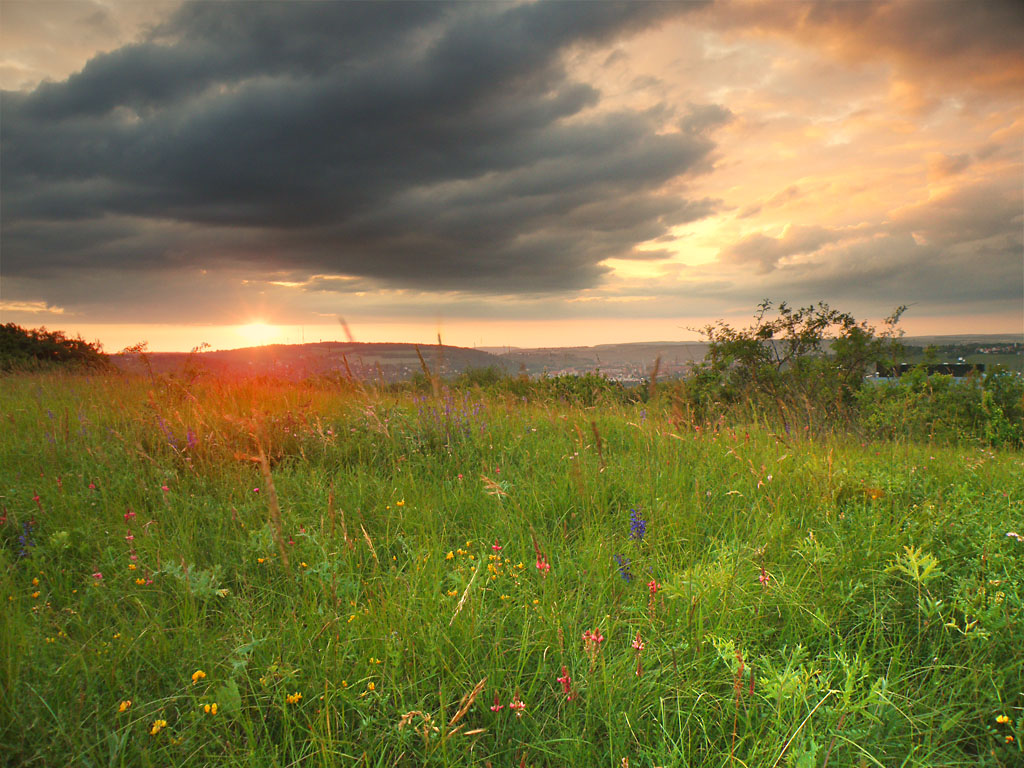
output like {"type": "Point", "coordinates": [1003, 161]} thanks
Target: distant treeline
{"type": "Point", "coordinates": [23, 348]}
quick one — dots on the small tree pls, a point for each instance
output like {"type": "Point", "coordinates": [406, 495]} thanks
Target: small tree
{"type": "Point", "coordinates": [811, 356]}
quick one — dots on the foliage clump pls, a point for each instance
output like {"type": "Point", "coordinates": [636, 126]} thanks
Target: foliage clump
{"type": "Point", "coordinates": [34, 347]}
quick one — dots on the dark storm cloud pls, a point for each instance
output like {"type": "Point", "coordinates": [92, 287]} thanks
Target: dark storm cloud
{"type": "Point", "coordinates": [443, 146]}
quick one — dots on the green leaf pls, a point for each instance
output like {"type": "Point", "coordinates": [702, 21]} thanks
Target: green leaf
{"type": "Point", "coordinates": [229, 698]}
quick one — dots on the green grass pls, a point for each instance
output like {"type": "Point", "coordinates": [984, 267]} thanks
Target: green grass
{"type": "Point", "coordinates": [884, 628]}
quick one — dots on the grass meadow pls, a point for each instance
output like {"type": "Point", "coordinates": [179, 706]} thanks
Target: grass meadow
{"type": "Point", "coordinates": [259, 573]}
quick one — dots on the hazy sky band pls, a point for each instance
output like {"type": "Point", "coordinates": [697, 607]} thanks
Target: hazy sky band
{"type": "Point", "coordinates": [215, 162]}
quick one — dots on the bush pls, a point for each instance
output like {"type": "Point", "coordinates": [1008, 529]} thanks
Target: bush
{"type": "Point", "coordinates": [31, 347]}
{"type": "Point", "coordinates": [989, 408]}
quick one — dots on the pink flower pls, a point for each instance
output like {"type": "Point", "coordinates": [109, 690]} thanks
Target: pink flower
{"type": "Point", "coordinates": [98, 576]}
{"type": "Point", "coordinates": [255, 490]}
{"type": "Point", "coordinates": [764, 578]}
{"type": "Point", "coordinates": [460, 475]}
{"type": "Point", "coordinates": [133, 557]}
{"type": "Point", "coordinates": [129, 537]}
{"type": "Point", "coordinates": [497, 706]}
{"type": "Point", "coordinates": [36, 498]}
{"type": "Point", "coordinates": [638, 643]}
{"type": "Point", "coordinates": [92, 486]}
{"type": "Point", "coordinates": [496, 546]}
{"type": "Point", "coordinates": [566, 681]}
{"type": "Point", "coordinates": [164, 488]}
{"type": "Point", "coordinates": [517, 705]}
{"type": "Point", "coordinates": [129, 515]}
{"type": "Point", "coordinates": [653, 586]}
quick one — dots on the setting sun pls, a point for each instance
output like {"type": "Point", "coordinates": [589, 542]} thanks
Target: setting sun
{"type": "Point", "coordinates": [259, 333]}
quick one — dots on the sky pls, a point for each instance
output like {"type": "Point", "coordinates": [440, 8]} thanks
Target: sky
{"type": "Point", "coordinates": [506, 174]}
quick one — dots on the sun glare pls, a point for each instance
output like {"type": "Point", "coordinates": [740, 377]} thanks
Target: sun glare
{"type": "Point", "coordinates": [258, 333]}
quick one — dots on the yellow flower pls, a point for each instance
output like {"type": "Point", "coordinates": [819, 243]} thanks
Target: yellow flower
{"type": "Point", "coordinates": [452, 592]}
{"type": "Point", "coordinates": [371, 687]}
{"type": "Point", "coordinates": [293, 698]}
{"type": "Point", "coordinates": [450, 555]}
{"type": "Point", "coordinates": [304, 565]}
{"type": "Point", "coordinates": [117, 635]}
{"type": "Point", "coordinates": [158, 725]}
{"type": "Point", "coordinates": [1002, 719]}
{"type": "Point", "coordinates": [210, 709]}
{"type": "Point", "coordinates": [197, 676]}
{"type": "Point", "coordinates": [344, 683]}
{"type": "Point", "coordinates": [400, 503]}
{"type": "Point", "coordinates": [140, 581]}
{"type": "Point", "coordinates": [261, 560]}
{"type": "Point", "coordinates": [35, 582]}
{"type": "Point", "coordinates": [35, 595]}
{"type": "Point", "coordinates": [351, 618]}
{"type": "Point", "coordinates": [124, 705]}
{"type": "Point", "coordinates": [131, 566]}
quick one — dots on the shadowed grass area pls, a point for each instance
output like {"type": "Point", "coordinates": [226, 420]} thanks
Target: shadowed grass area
{"type": "Point", "coordinates": [763, 599]}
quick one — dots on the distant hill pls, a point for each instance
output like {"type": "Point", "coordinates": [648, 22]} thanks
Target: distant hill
{"type": "Point", "coordinates": [389, 362]}
{"type": "Point", "coordinates": [397, 362]}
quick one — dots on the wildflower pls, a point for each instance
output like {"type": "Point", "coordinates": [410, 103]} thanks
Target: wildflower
{"type": "Point", "coordinates": [132, 566]}
{"type": "Point", "coordinates": [371, 686]}
{"type": "Point", "coordinates": [623, 564]}
{"type": "Point", "coordinates": [158, 725]}
{"type": "Point", "coordinates": [92, 486]}
{"type": "Point", "coordinates": [35, 581]}
{"type": "Point", "coordinates": [140, 581]}
{"type": "Point", "coordinates": [164, 488]}
{"type": "Point", "coordinates": [653, 587]}
{"type": "Point", "coordinates": [637, 526]}
{"type": "Point", "coordinates": [765, 578]}
{"type": "Point", "coordinates": [566, 682]}
{"type": "Point", "coordinates": [255, 490]}
{"type": "Point", "coordinates": [497, 706]}
{"type": "Point", "coordinates": [124, 705]}
{"type": "Point", "coordinates": [303, 565]}
{"type": "Point", "coordinates": [638, 643]}
{"type": "Point", "coordinates": [210, 709]}
{"type": "Point", "coordinates": [496, 546]}
{"type": "Point", "coordinates": [97, 576]}
{"type": "Point", "coordinates": [293, 698]}
{"type": "Point", "coordinates": [261, 560]}
{"type": "Point", "coordinates": [1015, 535]}
{"type": "Point", "coordinates": [1002, 719]}
{"type": "Point", "coordinates": [400, 503]}
{"type": "Point", "coordinates": [517, 705]}
{"type": "Point", "coordinates": [542, 564]}
{"type": "Point", "coordinates": [129, 538]}
{"type": "Point", "coordinates": [197, 676]}
{"type": "Point", "coordinates": [1009, 739]}
{"type": "Point", "coordinates": [450, 555]}
{"type": "Point", "coordinates": [35, 595]}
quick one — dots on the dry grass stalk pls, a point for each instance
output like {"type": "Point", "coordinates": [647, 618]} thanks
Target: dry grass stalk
{"type": "Point", "coordinates": [651, 385]}
{"type": "Point", "coordinates": [275, 508]}
{"type": "Point", "coordinates": [597, 443]}
{"type": "Point", "coordinates": [466, 702]}
{"type": "Point", "coordinates": [435, 384]}
{"type": "Point", "coordinates": [369, 543]}
{"type": "Point", "coordinates": [492, 487]}
{"type": "Point", "coordinates": [465, 594]}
